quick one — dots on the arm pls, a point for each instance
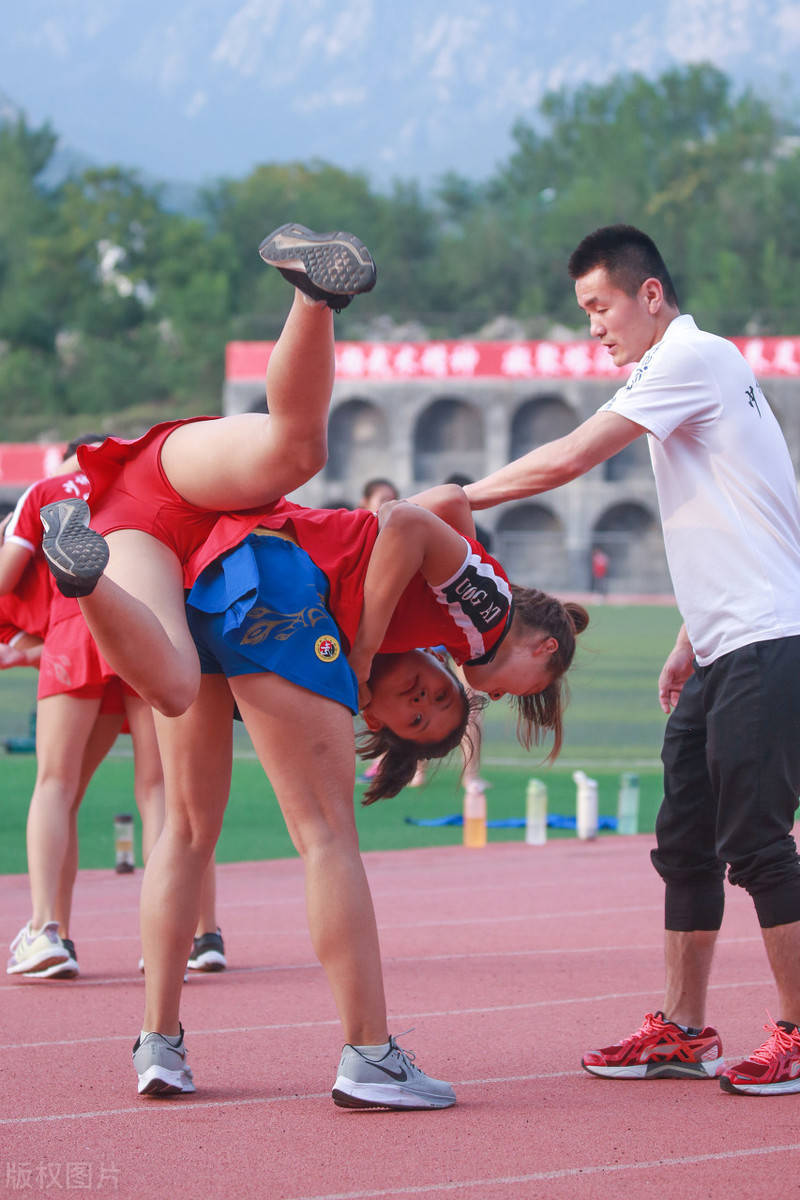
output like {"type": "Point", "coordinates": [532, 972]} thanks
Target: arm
{"type": "Point", "coordinates": [25, 652]}
{"type": "Point", "coordinates": [411, 539]}
{"type": "Point", "coordinates": [14, 558]}
{"type": "Point", "coordinates": [675, 672]}
{"type": "Point", "coordinates": [557, 462]}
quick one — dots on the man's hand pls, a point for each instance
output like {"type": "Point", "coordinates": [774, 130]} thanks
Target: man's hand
{"type": "Point", "coordinates": [675, 672]}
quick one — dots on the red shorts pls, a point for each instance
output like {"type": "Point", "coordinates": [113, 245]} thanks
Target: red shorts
{"type": "Point", "coordinates": [72, 664]}
{"type": "Point", "coordinates": [113, 702]}
{"type": "Point", "coordinates": [129, 490]}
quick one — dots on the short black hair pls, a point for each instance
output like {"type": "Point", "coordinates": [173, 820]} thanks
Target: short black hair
{"type": "Point", "coordinates": [84, 439]}
{"type": "Point", "coordinates": [372, 485]}
{"type": "Point", "coordinates": [629, 257]}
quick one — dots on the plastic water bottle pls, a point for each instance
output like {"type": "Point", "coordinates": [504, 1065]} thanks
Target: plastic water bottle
{"type": "Point", "coordinates": [123, 844]}
{"type": "Point", "coordinates": [536, 813]}
{"type": "Point", "coordinates": [585, 806]}
{"type": "Point", "coordinates": [475, 814]}
{"type": "Point", "coordinates": [628, 803]}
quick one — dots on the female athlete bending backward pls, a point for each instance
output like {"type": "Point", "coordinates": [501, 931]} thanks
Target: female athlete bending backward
{"type": "Point", "coordinates": [158, 500]}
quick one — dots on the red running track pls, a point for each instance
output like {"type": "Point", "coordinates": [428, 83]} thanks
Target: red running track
{"type": "Point", "coordinates": [508, 962]}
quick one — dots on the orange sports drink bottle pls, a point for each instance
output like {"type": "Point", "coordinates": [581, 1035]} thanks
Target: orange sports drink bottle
{"type": "Point", "coordinates": [475, 814]}
{"type": "Point", "coordinates": [123, 844]}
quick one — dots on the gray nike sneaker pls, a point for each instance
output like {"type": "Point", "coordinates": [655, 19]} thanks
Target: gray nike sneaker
{"type": "Point", "coordinates": [389, 1082]}
{"type": "Point", "coordinates": [76, 554]}
{"type": "Point", "coordinates": [332, 267]}
{"type": "Point", "coordinates": [161, 1067]}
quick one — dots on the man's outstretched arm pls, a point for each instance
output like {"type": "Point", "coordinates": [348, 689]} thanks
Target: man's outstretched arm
{"type": "Point", "coordinates": [557, 462]}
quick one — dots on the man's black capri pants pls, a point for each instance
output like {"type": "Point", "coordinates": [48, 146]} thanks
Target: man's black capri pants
{"type": "Point", "coordinates": [731, 760]}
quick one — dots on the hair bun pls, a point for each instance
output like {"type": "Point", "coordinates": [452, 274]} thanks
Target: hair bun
{"type": "Point", "coordinates": [578, 615]}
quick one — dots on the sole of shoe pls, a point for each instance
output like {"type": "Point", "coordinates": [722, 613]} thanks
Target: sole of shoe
{"type": "Point", "coordinates": [787, 1087]}
{"type": "Point", "coordinates": [708, 1069]}
{"type": "Point", "coordinates": [77, 555]}
{"type": "Point", "coordinates": [156, 1081]}
{"type": "Point", "coordinates": [211, 961]}
{"type": "Point", "coordinates": [42, 961]}
{"type": "Point", "coordinates": [60, 970]}
{"type": "Point", "coordinates": [337, 263]}
{"type": "Point", "coordinates": [347, 1094]}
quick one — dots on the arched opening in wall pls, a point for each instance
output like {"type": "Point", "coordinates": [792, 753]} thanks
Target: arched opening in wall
{"type": "Point", "coordinates": [358, 444]}
{"type": "Point", "coordinates": [448, 439]}
{"type": "Point", "coordinates": [629, 463]}
{"type": "Point", "coordinates": [629, 534]}
{"type": "Point", "coordinates": [530, 544]}
{"type": "Point", "coordinates": [538, 421]}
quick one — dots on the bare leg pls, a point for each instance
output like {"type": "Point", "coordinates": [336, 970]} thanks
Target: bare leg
{"type": "Point", "coordinates": [251, 459]}
{"type": "Point", "coordinates": [782, 943]}
{"type": "Point", "coordinates": [235, 463]}
{"type": "Point", "coordinates": [137, 617]}
{"type": "Point", "coordinates": [207, 920]}
{"type": "Point", "coordinates": [196, 751]}
{"type": "Point", "coordinates": [148, 777]}
{"type": "Point", "coordinates": [101, 739]}
{"type": "Point", "coordinates": [63, 727]}
{"type": "Point", "coordinates": [688, 958]}
{"type": "Point", "coordinates": [305, 744]}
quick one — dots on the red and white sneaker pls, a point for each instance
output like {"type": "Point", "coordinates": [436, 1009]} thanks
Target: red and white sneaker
{"type": "Point", "coordinates": [659, 1050]}
{"type": "Point", "coordinates": [771, 1070]}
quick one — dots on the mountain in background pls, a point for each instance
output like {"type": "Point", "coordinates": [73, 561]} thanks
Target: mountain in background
{"type": "Point", "coordinates": [198, 89]}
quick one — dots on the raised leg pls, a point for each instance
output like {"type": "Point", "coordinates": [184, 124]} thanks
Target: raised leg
{"type": "Point", "coordinates": [252, 459]}
{"type": "Point", "coordinates": [137, 617]}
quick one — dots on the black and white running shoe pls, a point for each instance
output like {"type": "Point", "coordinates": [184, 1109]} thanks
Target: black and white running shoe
{"type": "Point", "coordinates": [332, 267]}
{"type": "Point", "coordinates": [393, 1081]}
{"type": "Point", "coordinates": [76, 554]}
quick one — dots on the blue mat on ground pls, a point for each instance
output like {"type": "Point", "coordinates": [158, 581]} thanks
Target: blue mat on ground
{"type": "Point", "coordinates": [554, 821]}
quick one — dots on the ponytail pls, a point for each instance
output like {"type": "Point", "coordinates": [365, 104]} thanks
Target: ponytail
{"type": "Point", "coordinates": [542, 712]}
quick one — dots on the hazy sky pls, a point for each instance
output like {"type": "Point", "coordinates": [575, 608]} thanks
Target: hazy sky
{"type": "Point", "coordinates": [191, 89]}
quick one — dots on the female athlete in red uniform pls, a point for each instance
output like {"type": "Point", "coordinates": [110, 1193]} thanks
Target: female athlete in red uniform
{"type": "Point", "coordinates": [161, 517]}
{"type": "Point", "coordinates": [81, 706]}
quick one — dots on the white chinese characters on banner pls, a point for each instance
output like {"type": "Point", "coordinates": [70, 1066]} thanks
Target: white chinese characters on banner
{"type": "Point", "coordinates": [769, 357]}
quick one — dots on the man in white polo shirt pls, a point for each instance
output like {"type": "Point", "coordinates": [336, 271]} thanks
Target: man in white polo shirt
{"type": "Point", "coordinates": [728, 500]}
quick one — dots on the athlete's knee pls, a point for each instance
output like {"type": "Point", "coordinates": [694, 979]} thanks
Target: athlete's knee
{"type": "Point", "coordinates": [173, 694]}
{"type": "Point", "coordinates": [192, 833]}
{"type": "Point", "coordinates": [310, 453]}
{"type": "Point", "coordinates": [317, 838]}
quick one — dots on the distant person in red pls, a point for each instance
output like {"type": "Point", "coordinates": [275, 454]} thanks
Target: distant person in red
{"type": "Point", "coordinates": [600, 562]}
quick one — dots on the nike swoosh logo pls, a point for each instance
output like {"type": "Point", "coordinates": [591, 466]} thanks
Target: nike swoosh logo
{"type": "Point", "coordinates": [400, 1075]}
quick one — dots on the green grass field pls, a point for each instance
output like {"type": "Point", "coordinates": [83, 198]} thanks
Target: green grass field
{"type": "Point", "coordinates": [613, 724]}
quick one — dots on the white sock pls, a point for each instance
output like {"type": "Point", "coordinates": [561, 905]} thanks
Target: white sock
{"type": "Point", "coordinates": [374, 1052]}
